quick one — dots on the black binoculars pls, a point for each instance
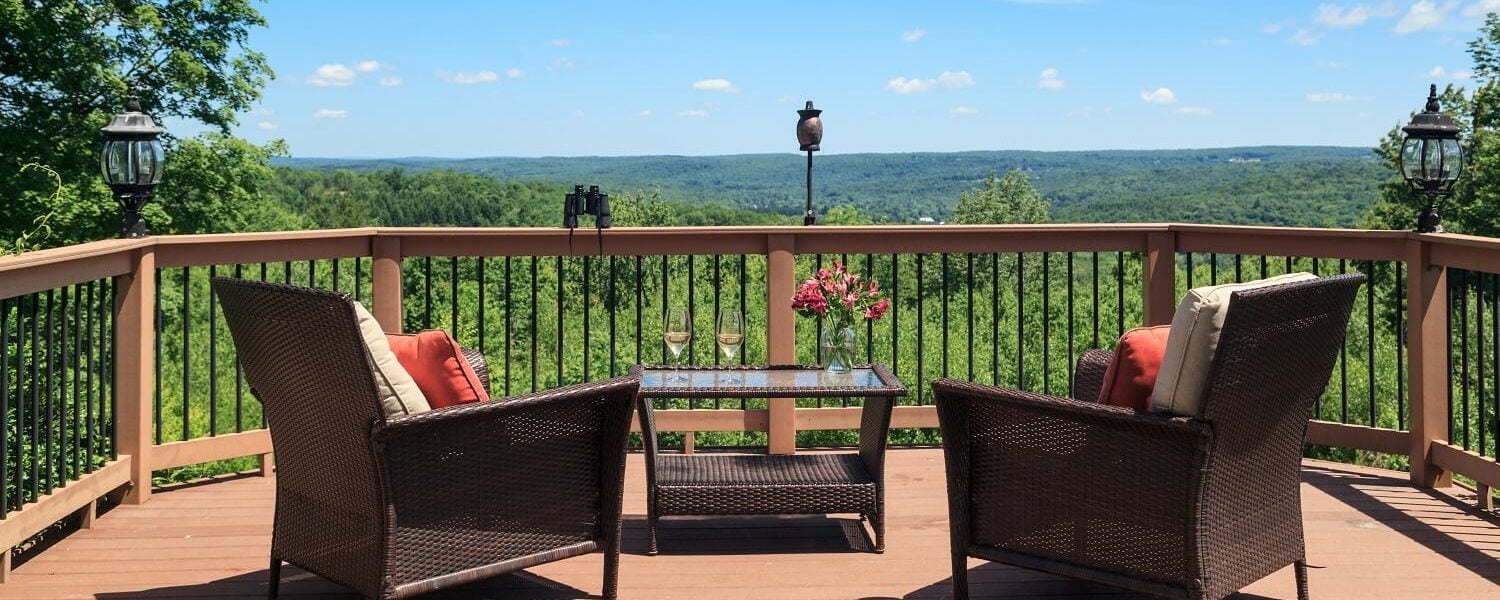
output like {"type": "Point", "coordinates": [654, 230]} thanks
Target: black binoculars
{"type": "Point", "coordinates": [581, 203]}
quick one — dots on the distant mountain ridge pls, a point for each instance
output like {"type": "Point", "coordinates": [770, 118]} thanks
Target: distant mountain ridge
{"type": "Point", "coordinates": [1285, 185]}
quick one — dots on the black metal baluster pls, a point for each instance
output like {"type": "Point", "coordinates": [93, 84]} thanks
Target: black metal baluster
{"type": "Point", "coordinates": [1213, 268]}
{"type": "Point", "coordinates": [944, 297]}
{"type": "Point", "coordinates": [969, 308]}
{"type": "Point", "coordinates": [335, 284]}
{"type": "Point", "coordinates": [1370, 341]}
{"type": "Point", "coordinates": [213, 356]}
{"type": "Point", "coordinates": [359, 278]}
{"type": "Point", "coordinates": [1020, 321]}
{"type": "Point", "coordinates": [1400, 309]}
{"type": "Point", "coordinates": [1239, 268]}
{"type": "Point", "coordinates": [895, 313]}
{"type": "Point", "coordinates": [88, 380]}
{"type": "Point", "coordinates": [509, 341]}
{"type": "Point", "coordinates": [559, 321]}
{"type": "Point", "coordinates": [286, 272]}
{"type": "Point", "coordinates": [239, 371]}
{"type": "Point", "coordinates": [1463, 332]}
{"type": "Point", "coordinates": [995, 318]}
{"type": "Point", "coordinates": [614, 306]}
{"type": "Point", "coordinates": [869, 324]}
{"type": "Point", "coordinates": [744, 350]}
{"type": "Point", "coordinates": [640, 305]}
{"type": "Point", "coordinates": [1479, 363]}
{"type": "Point", "coordinates": [453, 295]}
{"type": "Point", "coordinates": [36, 400]}
{"type": "Point", "coordinates": [1343, 365]}
{"type": "Point", "coordinates": [588, 347]}
{"type": "Point", "coordinates": [712, 348]}
{"type": "Point", "coordinates": [480, 272]}
{"type": "Point", "coordinates": [1188, 261]}
{"type": "Point", "coordinates": [692, 284]}
{"type": "Point", "coordinates": [1263, 274]}
{"type": "Point", "coordinates": [49, 390]}
{"type": "Point", "coordinates": [535, 284]}
{"type": "Point", "coordinates": [312, 273]}
{"type": "Point", "coordinates": [157, 400]}
{"type": "Point", "coordinates": [1069, 365]}
{"type": "Point", "coordinates": [1094, 273]}
{"type": "Point", "coordinates": [187, 363]}
{"type": "Point", "coordinates": [1046, 322]}
{"type": "Point", "coordinates": [109, 373]}
{"type": "Point", "coordinates": [921, 339]}
{"type": "Point", "coordinates": [1120, 293]}
{"type": "Point", "coordinates": [5, 418]}
{"type": "Point", "coordinates": [664, 305]}
{"type": "Point", "coordinates": [426, 292]}
{"type": "Point", "coordinates": [67, 456]}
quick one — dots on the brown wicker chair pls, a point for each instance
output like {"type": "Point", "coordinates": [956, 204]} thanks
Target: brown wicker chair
{"type": "Point", "coordinates": [1170, 506]}
{"type": "Point", "coordinates": [394, 507]}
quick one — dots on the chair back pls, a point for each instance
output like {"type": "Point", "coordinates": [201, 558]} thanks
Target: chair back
{"type": "Point", "coordinates": [306, 363]}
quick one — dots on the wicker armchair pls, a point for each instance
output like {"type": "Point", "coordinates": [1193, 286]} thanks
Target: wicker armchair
{"type": "Point", "coordinates": [394, 507]}
{"type": "Point", "coordinates": [1169, 506]}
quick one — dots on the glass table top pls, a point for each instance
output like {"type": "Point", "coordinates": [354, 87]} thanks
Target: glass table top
{"type": "Point", "coordinates": [695, 381]}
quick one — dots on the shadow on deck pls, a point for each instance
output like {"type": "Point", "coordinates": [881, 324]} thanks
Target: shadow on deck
{"type": "Point", "coordinates": [1370, 535]}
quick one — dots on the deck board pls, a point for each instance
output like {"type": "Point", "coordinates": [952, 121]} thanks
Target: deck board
{"type": "Point", "coordinates": [1370, 535]}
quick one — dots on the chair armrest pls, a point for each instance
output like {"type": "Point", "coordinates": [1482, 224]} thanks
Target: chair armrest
{"type": "Point", "coordinates": [548, 464]}
{"type": "Point", "coordinates": [1022, 467]}
{"type": "Point", "coordinates": [481, 366]}
{"type": "Point", "coordinates": [1088, 376]}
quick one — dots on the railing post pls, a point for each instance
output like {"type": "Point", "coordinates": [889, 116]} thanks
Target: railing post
{"type": "Point", "coordinates": [1159, 273]}
{"type": "Point", "coordinates": [781, 338]}
{"type": "Point", "coordinates": [386, 281]}
{"type": "Point", "coordinates": [1427, 361]}
{"type": "Point", "coordinates": [135, 307]}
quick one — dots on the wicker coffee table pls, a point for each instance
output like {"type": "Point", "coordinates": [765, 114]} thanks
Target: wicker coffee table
{"type": "Point", "coordinates": [763, 484]}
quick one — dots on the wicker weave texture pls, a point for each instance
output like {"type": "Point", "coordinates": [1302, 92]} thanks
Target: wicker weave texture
{"type": "Point", "coordinates": [1088, 377]}
{"type": "Point", "coordinates": [407, 505]}
{"type": "Point", "coordinates": [1172, 506]}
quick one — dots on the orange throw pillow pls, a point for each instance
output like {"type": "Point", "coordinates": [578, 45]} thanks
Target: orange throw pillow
{"type": "Point", "coordinates": [437, 364]}
{"type": "Point", "coordinates": [1132, 372]}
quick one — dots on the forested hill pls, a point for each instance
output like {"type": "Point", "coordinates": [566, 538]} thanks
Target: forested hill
{"type": "Point", "coordinates": [1282, 185]}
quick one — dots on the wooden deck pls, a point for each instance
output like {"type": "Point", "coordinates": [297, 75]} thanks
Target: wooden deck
{"type": "Point", "coordinates": [1370, 535]}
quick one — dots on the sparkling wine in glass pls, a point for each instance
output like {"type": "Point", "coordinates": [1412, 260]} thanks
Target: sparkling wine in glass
{"type": "Point", "coordinates": [676, 332]}
{"type": "Point", "coordinates": [731, 337]}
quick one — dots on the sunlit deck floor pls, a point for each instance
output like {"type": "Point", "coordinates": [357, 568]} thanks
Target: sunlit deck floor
{"type": "Point", "coordinates": [1370, 535]}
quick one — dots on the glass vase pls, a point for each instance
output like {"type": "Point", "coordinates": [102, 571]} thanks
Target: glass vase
{"type": "Point", "coordinates": [837, 345]}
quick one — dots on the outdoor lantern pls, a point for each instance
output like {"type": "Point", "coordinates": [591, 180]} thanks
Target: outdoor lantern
{"type": "Point", "coordinates": [809, 136]}
{"type": "Point", "coordinates": [132, 162]}
{"type": "Point", "coordinates": [1431, 159]}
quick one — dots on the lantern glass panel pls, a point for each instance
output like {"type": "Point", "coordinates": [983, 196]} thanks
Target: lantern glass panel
{"type": "Point", "coordinates": [115, 162]}
{"type": "Point", "coordinates": [1411, 159]}
{"type": "Point", "coordinates": [1452, 160]}
{"type": "Point", "coordinates": [149, 160]}
{"type": "Point", "coordinates": [1432, 161]}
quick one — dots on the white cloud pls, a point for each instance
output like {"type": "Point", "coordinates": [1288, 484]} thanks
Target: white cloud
{"type": "Point", "coordinates": [955, 80]}
{"type": "Point", "coordinates": [963, 110]}
{"type": "Point", "coordinates": [902, 85]}
{"type": "Point", "coordinates": [1194, 111]}
{"type": "Point", "coordinates": [715, 85]}
{"type": "Point", "coordinates": [1159, 96]}
{"type": "Point", "coordinates": [694, 112]}
{"type": "Point", "coordinates": [1088, 111]}
{"type": "Point", "coordinates": [1273, 28]}
{"type": "Point", "coordinates": [1050, 80]}
{"type": "Point", "coordinates": [1333, 64]}
{"type": "Point", "coordinates": [578, 114]}
{"type": "Point", "coordinates": [1305, 37]}
{"type": "Point", "coordinates": [330, 113]}
{"type": "Point", "coordinates": [559, 64]}
{"type": "Point", "coordinates": [332, 74]}
{"type": "Point", "coordinates": [262, 111]}
{"type": "Point", "coordinates": [1438, 72]}
{"type": "Point", "coordinates": [913, 35]}
{"type": "Point", "coordinates": [390, 81]}
{"type": "Point", "coordinates": [1221, 41]}
{"type": "Point", "coordinates": [1482, 8]}
{"type": "Point", "coordinates": [644, 113]}
{"type": "Point", "coordinates": [560, 43]}
{"type": "Point", "coordinates": [1334, 15]}
{"type": "Point", "coordinates": [1330, 97]}
{"type": "Point", "coordinates": [265, 126]}
{"type": "Point", "coordinates": [1425, 14]}
{"type": "Point", "coordinates": [514, 73]}
{"type": "Point", "coordinates": [468, 78]}
{"type": "Point", "coordinates": [370, 66]}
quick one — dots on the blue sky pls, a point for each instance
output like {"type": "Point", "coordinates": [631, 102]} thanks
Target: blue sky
{"type": "Point", "coordinates": [547, 78]}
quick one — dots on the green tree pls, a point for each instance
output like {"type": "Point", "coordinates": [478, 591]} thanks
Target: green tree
{"type": "Point", "coordinates": [845, 214]}
{"type": "Point", "coordinates": [64, 69]}
{"type": "Point", "coordinates": [1008, 199]}
{"type": "Point", "coordinates": [1475, 205]}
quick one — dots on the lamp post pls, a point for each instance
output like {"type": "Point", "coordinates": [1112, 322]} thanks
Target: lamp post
{"type": "Point", "coordinates": [1431, 159]}
{"type": "Point", "coordinates": [809, 136]}
{"type": "Point", "coordinates": [132, 162]}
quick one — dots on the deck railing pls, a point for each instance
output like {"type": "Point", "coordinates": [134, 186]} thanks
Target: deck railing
{"type": "Point", "coordinates": [115, 363]}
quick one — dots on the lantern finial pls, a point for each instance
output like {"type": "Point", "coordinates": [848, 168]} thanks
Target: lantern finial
{"type": "Point", "coordinates": [1432, 99]}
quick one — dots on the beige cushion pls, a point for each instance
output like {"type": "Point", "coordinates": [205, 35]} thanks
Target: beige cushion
{"type": "Point", "coordinates": [1194, 338]}
{"type": "Point", "coordinates": [399, 394]}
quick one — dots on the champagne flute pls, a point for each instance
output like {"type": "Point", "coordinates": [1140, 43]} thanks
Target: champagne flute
{"type": "Point", "coordinates": [676, 332]}
{"type": "Point", "coordinates": [731, 336]}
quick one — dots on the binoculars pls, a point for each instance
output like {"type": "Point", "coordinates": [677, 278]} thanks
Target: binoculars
{"type": "Point", "coordinates": [581, 203]}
